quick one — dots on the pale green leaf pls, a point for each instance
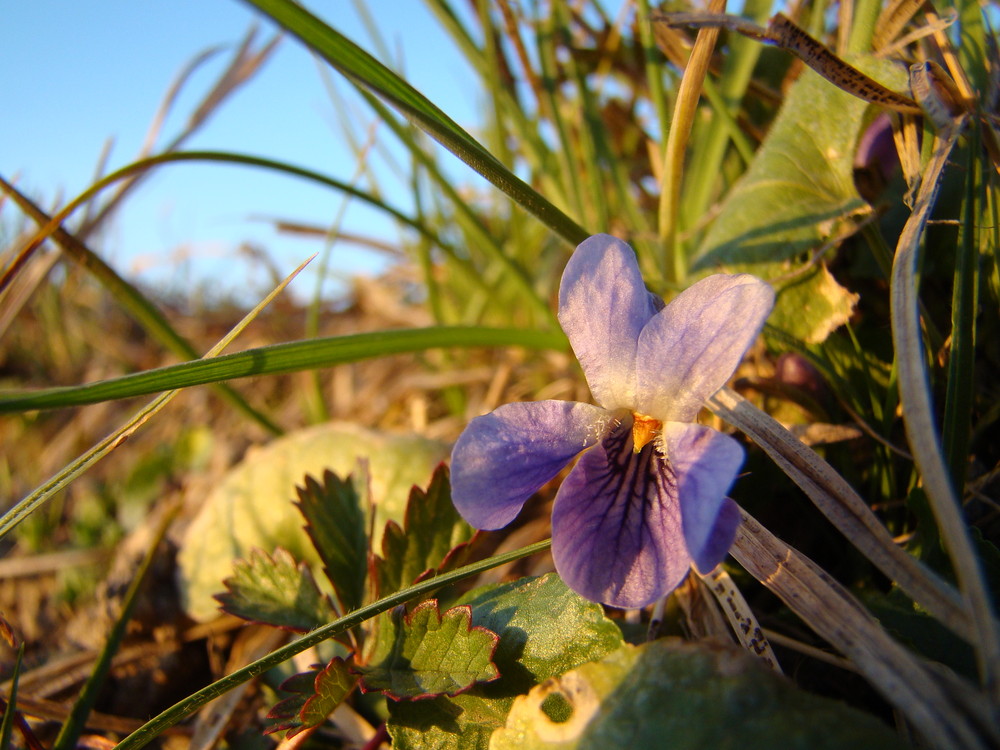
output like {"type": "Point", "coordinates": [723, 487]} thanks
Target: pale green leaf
{"type": "Point", "coordinates": [252, 505]}
{"type": "Point", "coordinates": [696, 694]}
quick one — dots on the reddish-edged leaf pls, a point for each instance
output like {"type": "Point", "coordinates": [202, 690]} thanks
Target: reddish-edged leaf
{"type": "Point", "coordinates": [315, 695]}
{"type": "Point", "coordinates": [431, 533]}
{"type": "Point", "coordinates": [335, 522]}
{"type": "Point", "coordinates": [277, 591]}
{"type": "Point", "coordinates": [425, 653]}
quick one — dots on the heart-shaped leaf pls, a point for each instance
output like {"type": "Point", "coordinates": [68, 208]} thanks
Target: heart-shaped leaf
{"type": "Point", "coordinates": [699, 695]}
{"type": "Point", "coordinates": [797, 195]}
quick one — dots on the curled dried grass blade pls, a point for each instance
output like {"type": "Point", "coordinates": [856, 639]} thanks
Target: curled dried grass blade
{"type": "Point", "coordinates": [944, 716]}
{"type": "Point", "coordinates": [782, 32]}
{"type": "Point", "coordinates": [845, 509]}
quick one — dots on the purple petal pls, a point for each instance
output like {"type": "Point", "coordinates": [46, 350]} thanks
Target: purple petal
{"type": "Point", "coordinates": [616, 525]}
{"type": "Point", "coordinates": [705, 463]}
{"type": "Point", "coordinates": [603, 306]}
{"type": "Point", "coordinates": [502, 458]}
{"type": "Point", "coordinates": [693, 346]}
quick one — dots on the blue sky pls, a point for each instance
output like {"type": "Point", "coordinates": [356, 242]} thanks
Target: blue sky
{"type": "Point", "coordinates": [74, 74]}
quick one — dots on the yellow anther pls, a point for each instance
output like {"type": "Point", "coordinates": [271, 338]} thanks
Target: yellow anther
{"type": "Point", "coordinates": [644, 429]}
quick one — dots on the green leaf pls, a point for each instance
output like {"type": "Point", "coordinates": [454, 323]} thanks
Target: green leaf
{"type": "Point", "coordinates": [169, 717]}
{"type": "Point", "coordinates": [426, 653]}
{"type": "Point", "coordinates": [335, 522]}
{"type": "Point", "coordinates": [544, 629]}
{"type": "Point", "coordinates": [251, 506]}
{"type": "Point", "coordinates": [698, 695]}
{"type": "Point", "coordinates": [275, 590]}
{"type": "Point", "coordinates": [7, 723]}
{"type": "Point", "coordinates": [797, 195]}
{"type": "Point", "coordinates": [431, 530]}
{"type": "Point", "coordinates": [316, 694]}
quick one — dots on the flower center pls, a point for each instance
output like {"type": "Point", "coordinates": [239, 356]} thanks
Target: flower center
{"type": "Point", "coordinates": [644, 429]}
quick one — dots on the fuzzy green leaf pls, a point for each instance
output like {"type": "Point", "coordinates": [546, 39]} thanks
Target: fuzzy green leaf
{"type": "Point", "coordinates": [315, 695]}
{"type": "Point", "coordinates": [275, 590]}
{"type": "Point", "coordinates": [696, 694]}
{"type": "Point", "coordinates": [544, 628]}
{"type": "Point", "coordinates": [432, 529]}
{"type": "Point", "coordinates": [797, 195]}
{"type": "Point", "coordinates": [426, 653]}
{"type": "Point", "coordinates": [335, 522]}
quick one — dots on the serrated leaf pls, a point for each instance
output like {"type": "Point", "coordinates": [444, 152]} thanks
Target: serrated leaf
{"type": "Point", "coordinates": [275, 590]}
{"type": "Point", "coordinates": [426, 653]}
{"type": "Point", "coordinates": [432, 529]}
{"type": "Point", "coordinates": [544, 629]}
{"type": "Point", "coordinates": [252, 505]}
{"type": "Point", "coordinates": [797, 195]}
{"type": "Point", "coordinates": [699, 695]}
{"type": "Point", "coordinates": [285, 713]}
{"type": "Point", "coordinates": [316, 694]}
{"type": "Point", "coordinates": [335, 522]}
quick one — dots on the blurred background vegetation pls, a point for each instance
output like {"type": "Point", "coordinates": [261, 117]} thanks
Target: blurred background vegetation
{"type": "Point", "coordinates": [594, 119]}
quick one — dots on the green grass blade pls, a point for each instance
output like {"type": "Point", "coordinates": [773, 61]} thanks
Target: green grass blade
{"type": "Point", "coordinates": [7, 726]}
{"type": "Point", "coordinates": [152, 728]}
{"type": "Point", "coordinates": [292, 356]}
{"type": "Point", "coordinates": [366, 71]}
{"type": "Point", "coordinates": [470, 221]}
{"type": "Point", "coordinates": [918, 419]}
{"type": "Point", "coordinates": [146, 313]}
{"type": "Point", "coordinates": [75, 723]}
{"type": "Point", "coordinates": [712, 139]}
{"type": "Point", "coordinates": [468, 275]}
{"type": "Point", "coordinates": [957, 424]}
{"type": "Point", "coordinates": [78, 466]}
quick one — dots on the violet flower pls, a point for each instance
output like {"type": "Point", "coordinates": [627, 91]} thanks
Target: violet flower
{"type": "Point", "coordinates": [647, 499]}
